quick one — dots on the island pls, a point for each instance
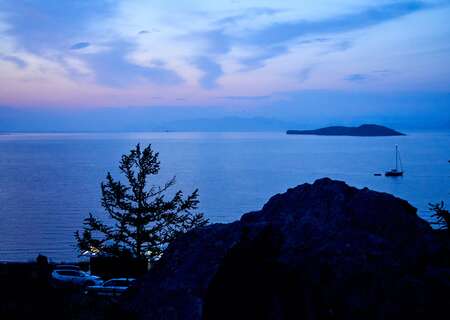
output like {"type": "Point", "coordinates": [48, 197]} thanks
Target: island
{"type": "Point", "coordinates": [365, 130]}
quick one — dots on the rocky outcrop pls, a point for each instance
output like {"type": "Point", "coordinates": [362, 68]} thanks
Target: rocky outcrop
{"type": "Point", "coordinates": [319, 251]}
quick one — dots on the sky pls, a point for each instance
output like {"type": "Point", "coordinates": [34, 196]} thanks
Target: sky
{"type": "Point", "coordinates": [340, 59]}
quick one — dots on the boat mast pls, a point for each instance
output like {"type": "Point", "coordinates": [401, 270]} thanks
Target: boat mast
{"type": "Point", "coordinates": [396, 157]}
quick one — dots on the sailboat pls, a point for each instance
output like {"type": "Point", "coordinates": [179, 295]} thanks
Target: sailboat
{"type": "Point", "coordinates": [396, 172]}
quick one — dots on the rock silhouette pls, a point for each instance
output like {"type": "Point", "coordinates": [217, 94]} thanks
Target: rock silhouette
{"type": "Point", "coordinates": [319, 251]}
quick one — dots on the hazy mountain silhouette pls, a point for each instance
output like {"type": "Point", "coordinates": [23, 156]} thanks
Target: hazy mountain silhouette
{"type": "Point", "coordinates": [229, 124]}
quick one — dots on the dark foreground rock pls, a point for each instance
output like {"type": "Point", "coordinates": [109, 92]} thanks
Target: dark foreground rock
{"type": "Point", "coordinates": [320, 251]}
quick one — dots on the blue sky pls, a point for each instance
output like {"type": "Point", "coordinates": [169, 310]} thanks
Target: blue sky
{"type": "Point", "coordinates": [230, 53]}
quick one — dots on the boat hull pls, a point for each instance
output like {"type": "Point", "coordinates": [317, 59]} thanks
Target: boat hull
{"type": "Point", "coordinates": [394, 174]}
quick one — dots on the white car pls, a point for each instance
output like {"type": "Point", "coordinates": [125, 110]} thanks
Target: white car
{"type": "Point", "coordinates": [67, 267]}
{"type": "Point", "coordinates": [113, 287]}
{"type": "Point", "coordinates": [65, 277]}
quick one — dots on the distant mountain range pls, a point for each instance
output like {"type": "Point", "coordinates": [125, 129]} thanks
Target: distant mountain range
{"type": "Point", "coordinates": [365, 130]}
{"type": "Point", "coordinates": [136, 120]}
{"type": "Point", "coordinates": [228, 124]}
{"type": "Point", "coordinates": [281, 118]}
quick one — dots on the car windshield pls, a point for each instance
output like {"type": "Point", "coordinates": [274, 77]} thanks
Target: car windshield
{"type": "Point", "coordinates": [70, 273]}
{"type": "Point", "coordinates": [117, 283]}
{"type": "Point", "coordinates": [67, 267]}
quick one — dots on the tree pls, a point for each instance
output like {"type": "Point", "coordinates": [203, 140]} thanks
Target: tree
{"type": "Point", "coordinates": [144, 221]}
{"type": "Point", "coordinates": [441, 215]}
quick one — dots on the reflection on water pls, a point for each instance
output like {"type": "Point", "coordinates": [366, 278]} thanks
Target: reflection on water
{"type": "Point", "coordinates": [49, 182]}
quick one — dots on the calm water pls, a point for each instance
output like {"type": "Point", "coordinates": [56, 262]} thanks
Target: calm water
{"type": "Point", "coordinates": [50, 182]}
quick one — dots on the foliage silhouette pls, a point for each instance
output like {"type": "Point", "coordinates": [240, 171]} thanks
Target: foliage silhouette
{"type": "Point", "coordinates": [145, 222]}
{"type": "Point", "coordinates": [441, 215]}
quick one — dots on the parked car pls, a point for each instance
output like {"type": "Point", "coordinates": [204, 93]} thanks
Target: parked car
{"type": "Point", "coordinates": [113, 287]}
{"type": "Point", "coordinates": [75, 278]}
{"type": "Point", "coordinates": [67, 267]}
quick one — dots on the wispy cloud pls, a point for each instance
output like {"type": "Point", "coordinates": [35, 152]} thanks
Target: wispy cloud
{"type": "Point", "coordinates": [138, 49]}
{"type": "Point", "coordinates": [143, 32]}
{"type": "Point", "coordinates": [357, 77]}
{"type": "Point", "coordinates": [282, 32]}
{"type": "Point", "coordinates": [44, 25]}
{"type": "Point", "coordinates": [15, 60]}
{"type": "Point", "coordinates": [264, 97]}
{"type": "Point", "coordinates": [272, 41]}
{"type": "Point", "coordinates": [80, 45]}
{"type": "Point", "coordinates": [211, 71]}
{"type": "Point", "coordinates": [258, 59]}
{"type": "Point", "coordinates": [113, 68]}
{"type": "Point", "coordinates": [334, 46]}
{"type": "Point", "coordinates": [375, 75]}
{"type": "Point", "coordinates": [157, 62]}
{"type": "Point", "coordinates": [249, 13]}
{"type": "Point", "coordinates": [304, 74]}
{"type": "Point", "coordinates": [212, 42]}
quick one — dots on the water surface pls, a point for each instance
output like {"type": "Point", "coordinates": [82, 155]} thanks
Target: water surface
{"type": "Point", "coordinates": [50, 182]}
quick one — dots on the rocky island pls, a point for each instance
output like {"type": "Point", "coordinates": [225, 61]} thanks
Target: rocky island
{"type": "Point", "coordinates": [319, 251]}
{"type": "Point", "coordinates": [365, 130]}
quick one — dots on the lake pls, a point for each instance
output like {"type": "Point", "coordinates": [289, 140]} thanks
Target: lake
{"type": "Point", "coordinates": [50, 182]}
